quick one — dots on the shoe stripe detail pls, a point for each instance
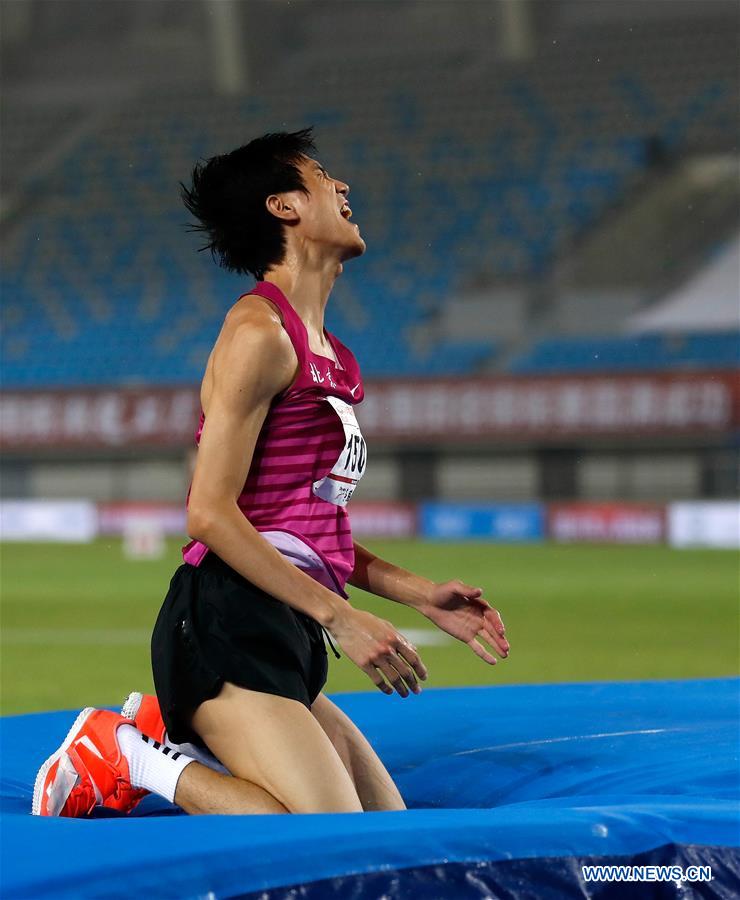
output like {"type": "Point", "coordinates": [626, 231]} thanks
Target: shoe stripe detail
{"type": "Point", "coordinates": [85, 741]}
{"type": "Point", "coordinates": [176, 755]}
{"type": "Point", "coordinates": [38, 787]}
{"type": "Point", "coordinates": [99, 771]}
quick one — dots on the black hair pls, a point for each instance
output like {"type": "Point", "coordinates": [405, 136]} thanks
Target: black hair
{"type": "Point", "coordinates": [228, 195]}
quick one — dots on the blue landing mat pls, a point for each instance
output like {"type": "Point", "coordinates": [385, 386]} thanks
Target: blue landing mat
{"type": "Point", "coordinates": [510, 790]}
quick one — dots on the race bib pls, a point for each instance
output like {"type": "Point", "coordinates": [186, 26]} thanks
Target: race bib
{"type": "Point", "coordinates": [338, 486]}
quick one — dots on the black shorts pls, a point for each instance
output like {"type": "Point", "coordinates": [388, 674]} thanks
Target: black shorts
{"type": "Point", "coordinates": [215, 626]}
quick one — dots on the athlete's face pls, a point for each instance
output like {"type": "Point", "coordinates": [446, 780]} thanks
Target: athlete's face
{"type": "Point", "coordinates": [324, 215]}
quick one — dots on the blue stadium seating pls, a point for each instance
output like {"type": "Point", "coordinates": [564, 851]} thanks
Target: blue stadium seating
{"type": "Point", "coordinates": [102, 285]}
{"type": "Point", "coordinates": [642, 353]}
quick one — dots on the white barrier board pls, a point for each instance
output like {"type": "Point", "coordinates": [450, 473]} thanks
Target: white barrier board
{"type": "Point", "coordinates": [704, 524]}
{"type": "Point", "coordinates": [48, 520]}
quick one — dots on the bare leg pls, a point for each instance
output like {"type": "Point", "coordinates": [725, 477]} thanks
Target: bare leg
{"type": "Point", "coordinates": [201, 791]}
{"type": "Point", "coordinates": [277, 745]}
{"type": "Point", "coordinates": [374, 785]}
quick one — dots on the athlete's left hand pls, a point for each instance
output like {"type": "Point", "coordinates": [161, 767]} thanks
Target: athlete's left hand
{"type": "Point", "coordinates": [461, 611]}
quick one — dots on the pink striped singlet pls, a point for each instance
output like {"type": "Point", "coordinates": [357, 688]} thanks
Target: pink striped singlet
{"type": "Point", "coordinates": [309, 456]}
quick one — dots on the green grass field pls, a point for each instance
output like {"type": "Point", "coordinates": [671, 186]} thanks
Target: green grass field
{"type": "Point", "coordinates": [76, 620]}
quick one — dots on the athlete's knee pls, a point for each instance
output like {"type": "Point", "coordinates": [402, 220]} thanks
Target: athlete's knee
{"type": "Point", "coordinates": [202, 791]}
{"type": "Point", "coordinates": [387, 804]}
{"type": "Point", "coordinates": [327, 803]}
{"type": "Point", "coordinates": [323, 786]}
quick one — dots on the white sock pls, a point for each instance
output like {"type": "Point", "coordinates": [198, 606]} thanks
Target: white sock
{"type": "Point", "coordinates": [204, 757]}
{"type": "Point", "coordinates": [153, 766]}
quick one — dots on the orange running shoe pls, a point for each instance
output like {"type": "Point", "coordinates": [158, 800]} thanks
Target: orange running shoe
{"type": "Point", "coordinates": [88, 770]}
{"type": "Point", "coordinates": [143, 710]}
{"type": "Point", "coordinates": [57, 780]}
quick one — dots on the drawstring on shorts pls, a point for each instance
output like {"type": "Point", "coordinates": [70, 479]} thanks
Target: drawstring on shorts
{"type": "Point", "coordinates": [328, 637]}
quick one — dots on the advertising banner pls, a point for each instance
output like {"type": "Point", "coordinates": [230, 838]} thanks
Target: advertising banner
{"type": "Point", "coordinates": [505, 522]}
{"type": "Point", "coordinates": [618, 523]}
{"type": "Point", "coordinates": [549, 409]}
{"type": "Point", "coordinates": [153, 417]}
{"type": "Point", "coordinates": [119, 518]}
{"type": "Point", "coordinates": [384, 520]}
{"type": "Point", "coordinates": [368, 518]}
{"type": "Point", "coordinates": [401, 410]}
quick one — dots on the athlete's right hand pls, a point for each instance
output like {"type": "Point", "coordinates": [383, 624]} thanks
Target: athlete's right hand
{"type": "Point", "coordinates": [386, 656]}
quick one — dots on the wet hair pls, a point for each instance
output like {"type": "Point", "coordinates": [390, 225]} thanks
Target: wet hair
{"type": "Point", "coordinates": [227, 197]}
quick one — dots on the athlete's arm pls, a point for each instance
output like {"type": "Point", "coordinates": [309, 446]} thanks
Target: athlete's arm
{"type": "Point", "coordinates": [453, 606]}
{"type": "Point", "coordinates": [375, 575]}
{"type": "Point", "coordinates": [253, 361]}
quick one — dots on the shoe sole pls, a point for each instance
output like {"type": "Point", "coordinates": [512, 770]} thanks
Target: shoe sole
{"type": "Point", "coordinates": [132, 705]}
{"type": "Point", "coordinates": [38, 787]}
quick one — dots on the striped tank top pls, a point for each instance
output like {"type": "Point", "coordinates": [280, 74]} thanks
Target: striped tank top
{"type": "Point", "coordinates": [308, 458]}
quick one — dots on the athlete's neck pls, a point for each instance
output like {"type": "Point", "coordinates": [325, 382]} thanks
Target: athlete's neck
{"type": "Point", "coordinates": [307, 286]}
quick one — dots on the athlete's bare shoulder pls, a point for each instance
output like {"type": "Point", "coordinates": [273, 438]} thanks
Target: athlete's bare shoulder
{"type": "Point", "coordinates": [252, 352]}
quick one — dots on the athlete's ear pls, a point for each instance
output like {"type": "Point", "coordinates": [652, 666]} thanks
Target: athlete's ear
{"type": "Point", "coordinates": [282, 207]}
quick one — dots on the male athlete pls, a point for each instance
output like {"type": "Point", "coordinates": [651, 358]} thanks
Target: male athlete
{"type": "Point", "coordinates": [240, 723]}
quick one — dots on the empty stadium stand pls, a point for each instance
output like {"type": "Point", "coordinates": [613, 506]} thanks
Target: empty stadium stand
{"type": "Point", "coordinates": [493, 175]}
{"type": "Point", "coordinates": [648, 352]}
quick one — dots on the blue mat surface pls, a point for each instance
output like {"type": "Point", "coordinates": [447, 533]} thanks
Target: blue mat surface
{"type": "Point", "coordinates": [510, 790]}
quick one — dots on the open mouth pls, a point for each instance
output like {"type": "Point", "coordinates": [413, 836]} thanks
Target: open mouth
{"type": "Point", "coordinates": [345, 212]}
